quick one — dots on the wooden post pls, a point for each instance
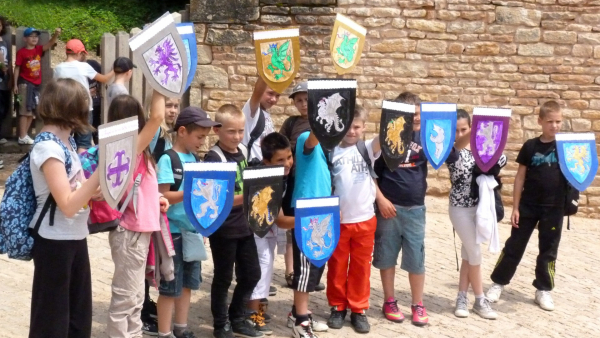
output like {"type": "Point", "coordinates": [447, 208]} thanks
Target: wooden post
{"type": "Point", "coordinates": [108, 53]}
{"type": "Point", "coordinates": [47, 74]}
{"type": "Point", "coordinates": [137, 78]}
{"type": "Point", "coordinates": [7, 122]}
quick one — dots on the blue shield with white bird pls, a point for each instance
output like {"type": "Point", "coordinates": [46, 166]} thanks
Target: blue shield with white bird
{"type": "Point", "coordinates": [208, 190]}
{"type": "Point", "coordinates": [317, 227]}
{"type": "Point", "coordinates": [438, 130]}
{"type": "Point", "coordinates": [188, 35]}
{"type": "Point", "coordinates": [578, 158]}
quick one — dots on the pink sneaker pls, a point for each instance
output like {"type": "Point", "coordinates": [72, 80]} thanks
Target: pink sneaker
{"type": "Point", "coordinates": [391, 311]}
{"type": "Point", "coordinates": [419, 315]}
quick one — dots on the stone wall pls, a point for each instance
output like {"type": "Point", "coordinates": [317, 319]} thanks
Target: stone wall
{"type": "Point", "coordinates": [515, 54]}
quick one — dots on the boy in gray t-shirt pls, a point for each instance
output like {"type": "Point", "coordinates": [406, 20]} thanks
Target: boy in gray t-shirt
{"type": "Point", "coordinates": [123, 68]}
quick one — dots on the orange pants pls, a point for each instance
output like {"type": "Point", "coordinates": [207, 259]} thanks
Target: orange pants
{"type": "Point", "coordinates": [349, 268]}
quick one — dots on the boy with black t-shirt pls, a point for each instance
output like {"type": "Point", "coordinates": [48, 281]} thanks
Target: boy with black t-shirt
{"type": "Point", "coordinates": [539, 198]}
{"type": "Point", "coordinates": [233, 243]}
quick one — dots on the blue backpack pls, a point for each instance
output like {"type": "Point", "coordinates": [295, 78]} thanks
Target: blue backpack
{"type": "Point", "coordinates": [19, 205]}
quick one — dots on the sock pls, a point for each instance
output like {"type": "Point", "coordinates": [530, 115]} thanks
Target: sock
{"type": "Point", "coordinates": [478, 297]}
{"type": "Point", "coordinates": [301, 319]}
{"type": "Point", "coordinates": [462, 293]}
{"type": "Point", "coordinates": [179, 329]}
{"type": "Point", "coordinates": [294, 310]}
{"type": "Point", "coordinates": [168, 334]}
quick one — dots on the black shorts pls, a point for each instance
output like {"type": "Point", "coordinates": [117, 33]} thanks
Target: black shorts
{"type": "Point", "coordinates": [306, 275]}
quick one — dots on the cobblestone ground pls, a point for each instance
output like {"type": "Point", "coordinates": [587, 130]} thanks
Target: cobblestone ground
{"type": "Point", "coordinates": [577, 296]}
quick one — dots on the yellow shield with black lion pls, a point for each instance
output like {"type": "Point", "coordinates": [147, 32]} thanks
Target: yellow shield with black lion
{"type": "Point", "coordinates": [346, 45]}
{"type": "Point", "coordinates": [277, 56]}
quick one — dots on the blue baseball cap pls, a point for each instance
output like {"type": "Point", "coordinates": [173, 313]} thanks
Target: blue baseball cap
{"type": "Point", "coordinates": [30, 30]}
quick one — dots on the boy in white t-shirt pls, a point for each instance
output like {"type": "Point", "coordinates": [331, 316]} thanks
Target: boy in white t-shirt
{"type": "Point", "coordinates": [258, 120]}
{"type": "Point", "coordinates": [348, 285]}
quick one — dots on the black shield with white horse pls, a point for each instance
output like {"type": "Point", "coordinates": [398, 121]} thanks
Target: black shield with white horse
{"type": "Point", "coordinates": [331, 109]}
{"type": "Point", "coordinates": [263, 193]}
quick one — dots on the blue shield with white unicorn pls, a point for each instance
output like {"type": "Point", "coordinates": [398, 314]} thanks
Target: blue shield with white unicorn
{"type": "Point", "coordinates": [317, 227]}
{"type": "Point", "coordinates": [438, 130]}
{"type": "Point", "coordinates": [578, 158]}
{"type": "Point", "coordinates": [208, 190]}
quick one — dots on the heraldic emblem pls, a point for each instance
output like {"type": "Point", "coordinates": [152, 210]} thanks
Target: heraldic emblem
{"type": "Point", "coordinates": [317, 227]}
{"type": "Point", "coordinates": [277, 56]}
{"type": "Point", "coordinates": [577, 158]}
{"type": "Point", "coordinates": [160, 52]}
{"type": "Point", "coordinates": [331, 106]}
{"type": "Point", "coordinates": [263, 193]}
{"type": "Point", "coordinates": [395, 132]}
{"type": "Point", "coordinates": [346, 44]}
{"type": "Point", "coordinates": [188, 36]}
{"type": "Point", "coordinates": [438, 130]}
{"type": "Point", "coordinates": [489, 135]}
{"type": "Point", "coordinates": [208, 189]}
{"type": "Point", "coordinates": [117, 144]}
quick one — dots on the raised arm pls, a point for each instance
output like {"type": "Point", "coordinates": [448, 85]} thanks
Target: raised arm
{"type": "Point", "coordinates": [259, 89]}
{"type": "Point", "coordinates": [53, 39]}
{"type": "Point", "coordinates": [375, 145]}
{"type": "Point", "coordinates": [157, 115]}
{"type": "Point", "coordinates": [311, 143]}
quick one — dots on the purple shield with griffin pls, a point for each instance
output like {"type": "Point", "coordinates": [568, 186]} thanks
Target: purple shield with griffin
{"type": "Point", "coordinates": [489, 134]}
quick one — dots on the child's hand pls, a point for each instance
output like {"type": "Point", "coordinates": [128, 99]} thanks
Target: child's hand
{"type": "Point", "coordinates": [514, 218]}
{"type": "Point", "coordinates": [164, 204]}
{"type": "Point", "coordinates": [386, 208]}
{"type": "Point", "coordinates": [57, 31]}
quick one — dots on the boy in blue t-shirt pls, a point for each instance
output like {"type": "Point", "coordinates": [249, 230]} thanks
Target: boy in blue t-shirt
{"type": "Point", "coordinates": [192, 127]}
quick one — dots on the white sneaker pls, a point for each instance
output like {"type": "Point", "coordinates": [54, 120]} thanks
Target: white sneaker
{"type": "Point", "coordinates": [303, 330]}
{"type": "Point", "coordinates": [462, 306]}
{"type": "Point", "coordinates": [3, 141]}
{"type": "Point", "coordinates": [494, 292]}
{"type": "Point", "coordinates": [25, 140]}
{"type": "Point", "coordinates": [544, 300]}
{"type": "Point", "coordinates": [315, 325]}
{"type": "Point", "coordinates": [483, 309]}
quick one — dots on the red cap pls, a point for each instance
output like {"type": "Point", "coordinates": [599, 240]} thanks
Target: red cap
{"type": "Point", "coordinates": [75, 46]}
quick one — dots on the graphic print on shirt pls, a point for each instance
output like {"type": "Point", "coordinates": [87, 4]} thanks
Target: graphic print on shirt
{"type": "Point", "coordinates": [541, 159]}
{"type": "Point", "coordinates": [359, 171]}
{"type": "Point", "coordinates": [34, 64]}
{"type": "Point", "coordinates": [412, 155]}
{"type": "Point", "coordinates": [461, 174]}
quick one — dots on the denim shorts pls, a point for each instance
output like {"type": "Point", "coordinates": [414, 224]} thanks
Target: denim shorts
{"type": "Point", "coordinates": [187, 274]}
{"type": "Point", "coordinates": [404, 232]}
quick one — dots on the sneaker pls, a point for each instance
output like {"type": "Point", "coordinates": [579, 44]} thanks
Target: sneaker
{"type": "Point", "coordinates": [3, 141]}
{"type": "Point", "coordinates": [462, 306]}
{"type": "Point", "coordinates": [336, 319]}
{"type": "Point", "coordinates": [25, 140]}
{"type": "Point", "coordinates": [544, 300]}
{"type": "Point", "coordinates": [289, 279]}
{"type": "Point", "coordinates": [483, 309]}
{"type": "Point", "coordinates": [360, 323]}
{"type": "Point", "coordinates": [315, 325]}
{"type": "Point", "coordinates": [419, 315]}
{"type": "Point", "coordinates": [272, 291]}
{"type": "Point", "coordinates": [262, 310]}
{"type": "Point", "coordinates": [149, 309]}
{"type": "Point", "coordinates": [185, 334]}
{"type": "Point", "coordinates": [303, 330]}
{"type": "Point", "coordinates": [150, 327]}
{"type": "Point", "coordinates": [245, 328]}
{"type": "Point", "coordinates": [391, 311]}
{"type": "Point", "coordinates": [494, 292]}
{"type": "Point", "coordinates": [259, 323]}
{"type": "Point", "coordinates": [320, 287]}
{"type": "Point", "coordinates": [224, 332]}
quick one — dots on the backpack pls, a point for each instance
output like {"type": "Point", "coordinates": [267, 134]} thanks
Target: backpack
{"type": "Point", "coordinates": [20, 203]}
{"type": "Point", "coordinates": [254, 135]}
{"type": "Point", "coordinates": [177, 168]}
{"type": "Point", "coordinates": [364, 153]}
{"type": "Point", "coordinates": [159, 148]}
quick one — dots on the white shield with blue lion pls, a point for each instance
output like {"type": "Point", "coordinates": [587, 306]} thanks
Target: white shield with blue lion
{"type": "Point", "coordinates": [317, 227]}
{"type": "Point", "coordinates": [438, 130]}
{"type": "Point", "coordinates": [577, 158]}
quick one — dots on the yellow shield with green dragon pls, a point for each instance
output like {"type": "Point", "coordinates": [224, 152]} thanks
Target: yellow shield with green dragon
{"type": "Point", "coordinates": [346, 45]}
{"type": "Point", "coordinates": [277, 56]}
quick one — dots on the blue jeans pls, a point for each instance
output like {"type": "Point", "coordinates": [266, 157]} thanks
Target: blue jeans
{"type": "Point", "coordinates": [187, 274]}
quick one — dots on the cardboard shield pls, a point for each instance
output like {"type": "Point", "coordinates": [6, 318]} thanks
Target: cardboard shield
{"type": "Point", "coordinates": [438, 130]}
{"type": "Point", "coordinates": [331, 109]}
{"type": "Point", "coordinates": [578, 158]}
{"type": "Point", "coordinates": [117, 142]}
{"type": "Point", "coordinates": [395, 132]}
{"type": "Point", "coordinates": [263, 193]}
{"type": "Point", "coordinates": [208, 189]}
{"type": "Point", "coordinates": [346, 44]}
{"type": "Point", "coordinates": [277, 56]}
{"type": "Point", "coordinates": [317, 227]}
{"type": "Point", "coordinates": [488, 136]}
{"type": "Point", "coordinates": [160, 52]}
{"type": "Point", "coordinates": [188, 36]}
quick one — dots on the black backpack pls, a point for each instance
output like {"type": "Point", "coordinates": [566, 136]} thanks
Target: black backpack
{"type": "Point", "coordinates": [254, 135]}
{"type": "Point", "coordinates": [159, 149]}
{"type": "Point", "coordinates": [177, 168]}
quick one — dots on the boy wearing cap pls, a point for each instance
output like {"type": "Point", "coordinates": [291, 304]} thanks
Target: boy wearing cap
{"type": "Point", "coordinates": [192, 127]}
{"type": "Point", "coordinates": [123, 68]}
{"type": "Point", "coordinates": [77, 69]}
{"type": "Point", "coordinates": [28, 77]}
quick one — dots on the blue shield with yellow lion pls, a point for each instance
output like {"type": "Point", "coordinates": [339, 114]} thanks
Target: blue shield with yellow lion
{"type": "Point", "coordinates": [438, 130]}
{"type": "Point", "coordinates": [577, 158]}
{"type": "Point", "coordinates": [317, 227]}
{"type": "Point", "coordinates": [208, 190]}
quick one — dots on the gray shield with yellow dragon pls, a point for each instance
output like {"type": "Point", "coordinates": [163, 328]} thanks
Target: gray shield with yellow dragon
{"type": "Point", "coordinates": [317, 227]}
{"type": "Point", "coordinates": [263, 193]}
{"type": "Point", "coordinates": [331, 105]}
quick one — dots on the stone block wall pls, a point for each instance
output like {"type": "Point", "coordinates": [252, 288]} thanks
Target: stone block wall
{"type": "Point", "coordinates": [515, 54]}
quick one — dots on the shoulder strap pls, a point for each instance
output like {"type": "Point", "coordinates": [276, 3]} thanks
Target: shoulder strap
{"type": "Point", "coordinates": [362, 149]}
{"type": "Point", "coordinates": [177, 168]}
{"type": "Point", "coordinates": [288, 126]}
{"type": "Point", "coordinates": [257, 131]}
{"type": "Point", "coordinates": [244, 150]}
{"type": "Point", "coordinates": [219, 152]}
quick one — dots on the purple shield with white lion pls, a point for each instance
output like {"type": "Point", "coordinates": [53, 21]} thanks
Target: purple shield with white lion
{"type": "Point", "coordinates": [489, 135]}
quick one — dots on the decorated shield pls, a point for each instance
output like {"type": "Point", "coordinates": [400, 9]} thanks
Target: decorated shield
{"type": "Point", "coordinates": [488, 135]}
{"type": "Point", "coordinates": [331, 109]}
{"type": "Point", "coordinates": [117, 145]}
{"type": "Point", "coordinates": [188, 36]}
{"type": "Point", "coordinates": [438, 130]}
{"type": "Point", "coordinates": [346, 44]}
{"type": "Point", "coordinates": [263, 193]}
{"type": "Point", "coordinates": [160, 52]}
{"type": "Point", "coordinates": [317, 227]}
{"type": "Point", "coordinates": [208, 189]}
{"type": "Point", "coordinates": [578, 158]}
{"type": "Point", "coordinates": [277, 56]}
{"type": "Point", "coordinates": [395, 132]}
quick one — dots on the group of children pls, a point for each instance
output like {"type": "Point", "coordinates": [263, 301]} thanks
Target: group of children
{"type": "Point", "coordinates": [382, 212]}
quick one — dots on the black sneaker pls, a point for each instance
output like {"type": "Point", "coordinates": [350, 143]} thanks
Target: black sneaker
{"type": "Point", "coordinates": [150, 327]}
{"type": "Point", "coordinates": [336, 319]}
{"type": "Point", "coordinates": [360, 323]}
{"type": "Point", "coordinates": [320, 287]}
{"type": "Point", "coordinates": [245, 328]}
{"type": "Point", "coordinates": [224, 332]}
{"type": "Point", "coordinates": [259, 323]}
{"type": "Point", "coordinates": [185, 334]}
{"type": "Point", "coordinates": [272, 291]}
{"type": "Point", "coordinates": [149, 309]}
